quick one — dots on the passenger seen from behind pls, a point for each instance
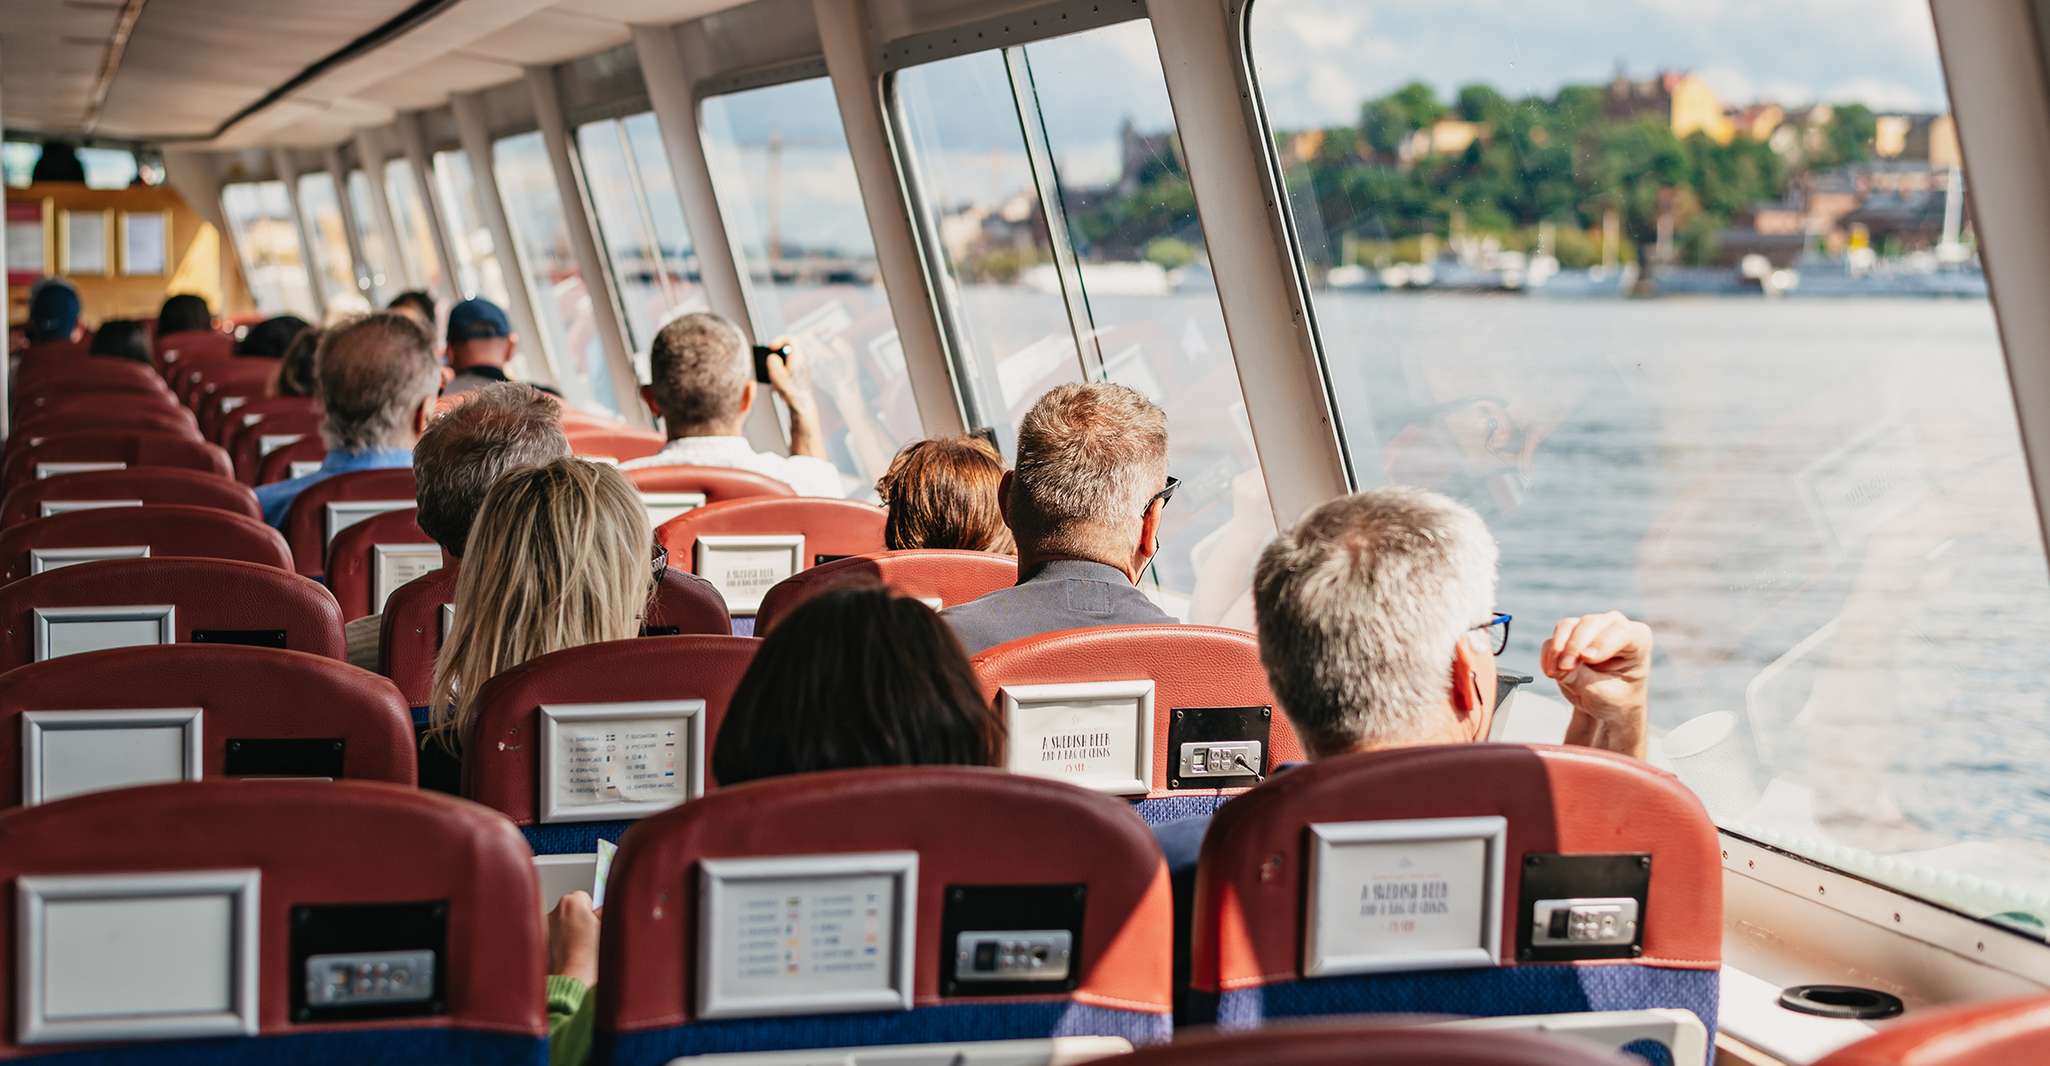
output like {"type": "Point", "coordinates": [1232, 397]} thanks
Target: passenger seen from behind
{"type": "Point", "coordinates": [558, 556]}
{"type": "Point", "coordinates": [463, 453]}
{"type": "Point", "coordinates": [183, 313]}
{"type": "Point", "coordinates": [1378, 628]}
{"type": "Point", "coordinates": [270, 338]}
{"type": "Point", "coordinates": [53, 310]}
{"type": "Point", "coordinates": [703, 386]}
{"type": "Point", "coordinates": [855, 677]}
{"type": "Point", "coordinates": [1084, 503]}
{"type": "Point", "coordinates": [415, 305]}
{"type": "Point", "coordinates": [377, 379]}
{"type": "Point", "coordinates": [122, 338]}
{"type": "Point", "coordinates": [942, 493]}
{"type": "Point", "coordinates": [481, 343]}
{"type": "Point", "coordinates": [295, 370]}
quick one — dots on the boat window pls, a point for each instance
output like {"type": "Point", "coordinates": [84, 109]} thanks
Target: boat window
{"type": "Point", "coordinates": [526, 184]}
{"type": "Point", "coordinates": [416, 237]}
{"type": "Point", "coordinates": [105, 168]}
{"type": "Point", "coordinates": [1053, 180]}
{"type": "Point", "coordinates": [640, 223]}
{"type": "Point", "coordinates": [321, 210]}
{"type": "Point", "coordinates": [478, 271]}
{"type": "Point", "coordinates": [1705, 338]}
{"type": "Point", "coordinates": [259, 215]}
{"type": "Point", "coordinates": [793, 210]}
{"type": "Point", "coordinates": [378, 275]}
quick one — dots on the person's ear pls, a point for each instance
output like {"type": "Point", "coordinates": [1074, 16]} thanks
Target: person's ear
{"type": "Point", "coordinates": [448, 374]}
{"type": "Point", "coordinates": [1149, 538]}
{"type": "Point", "coordinates": [512, 346]}
{"type": "Point", "coordinates": [1472, 706]}
{"type": "Point", "coordinates": [1004, 500]}
{"type": "Point", "coordinates": [648, 397]}
{"type": "Point", "coordinates": [747, 397]}
{"type": "Point", "coordinates": [425, 414]}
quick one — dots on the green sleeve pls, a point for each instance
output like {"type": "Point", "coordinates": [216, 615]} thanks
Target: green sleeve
{"type": "Point", "coordinates": [569, 1020]}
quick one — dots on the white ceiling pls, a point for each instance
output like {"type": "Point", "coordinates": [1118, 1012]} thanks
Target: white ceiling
{"type": "Point", "coordinates": [192, 64]}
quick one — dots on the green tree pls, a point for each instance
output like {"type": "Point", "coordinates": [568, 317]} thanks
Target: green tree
{"type": "Point", "coordinates": [1851, 128]}
{"type": "Point", "coordinates": [1481, 103]}
{"type": "Point", "coordinates": [1170, 253]}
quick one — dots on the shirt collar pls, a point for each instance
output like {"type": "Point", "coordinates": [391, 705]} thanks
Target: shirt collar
{"type": "Point", "coordinates": [485, 371]}
{"type": "Point", "coordinates": [343, 460]}
{"type": "Point", "coordinates": [1077, 570]}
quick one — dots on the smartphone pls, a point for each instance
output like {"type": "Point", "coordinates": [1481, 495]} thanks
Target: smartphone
{"type": "Point", "coordinates": [762, 354]}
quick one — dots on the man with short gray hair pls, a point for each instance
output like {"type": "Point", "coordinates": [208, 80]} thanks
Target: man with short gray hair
{"type": "Point", "coordinates": [702, 383]}
{"type": "Point", "coordinates": [499, 429]}
{"type": "Point", "coordinates": [377, 379]}
{"type": "Point", "coordinates": [1084, 504]}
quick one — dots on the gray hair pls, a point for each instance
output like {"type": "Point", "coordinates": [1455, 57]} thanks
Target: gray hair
{"type": "Point", "coordinates": [500, 428]}
{"type": "Point", "coordinates": [699, 367]}
{"type": "Point", "coordinates": [1090, 457]}
{"type": "Point", "coordinates": [1359, 608]}
{"type": "Point", "coordinates": [373, 374]}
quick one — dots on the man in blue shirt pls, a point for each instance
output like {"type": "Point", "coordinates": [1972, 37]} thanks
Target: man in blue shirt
{"type": "Point", "coordinates": [1084, 504]}
{"type": "Point", "coordinates": [378, 380]}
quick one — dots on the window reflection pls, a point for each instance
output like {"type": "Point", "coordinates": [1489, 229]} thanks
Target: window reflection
{"type": "Point", "coordinates": [526, 183]}
{"type": "Point", "coordinates": [378, 269]}
{"type": "Point", "coordinates": [259, 218]}
{"type": "Point", "coordinates": [409, 217]}
{"type": "Point", "coordinates": [1706, 339]}
{"type": "Point", "coordinates": [787, 189]}
{"type": "Point", "coordinates": [478, 271]}
{"type": "Point", "coordinates": [640, 223]}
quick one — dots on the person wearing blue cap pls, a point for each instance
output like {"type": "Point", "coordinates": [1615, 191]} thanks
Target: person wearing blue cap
{"type": "Point", "coordinates": [53, 309]}
{"type": "Point", "coordinates": [481, 342]}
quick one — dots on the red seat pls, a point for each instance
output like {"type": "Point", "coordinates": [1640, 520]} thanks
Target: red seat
{"type": "Point", "coordinates": [276, 464]}
{"type": "Point", "coordinates": [949, 577]}
{"type": "Point", "coordinates": [98, 416]}
{"type": "Point", "coordinates": [329, 869]}
{"type": "Point", "coordinates": [113, 395]}
{"type": "Point", "coordinates": [54, 351]}
{"type": "Point", "coordinates": [352, 560]}
{"type": "Point", "coordinates": [969, 827]}
{"type": "Point", "coordinates": [716, 483]}
{"type": "Point", "coordinates": [614, 442]}
{"type": "Point", "coordinates": [85, 370]}
{"type": "Point", "coordinates": [191, 345]}
{"type": "Point", "coordinates": [195, 383]}
{"type": "Point", "coordinates": [265, 424]}
{"type": "Point", "coordinates": [1353, 1043]}
{"type": "Point", "coordinates": [309, 526]}
{"type": "Point", "coordinates": [503, 760]}
{"type": "Point", "coordinates": [213, 601]}
{"type": "Point", "coordinates": [2002, 1033]}
{"type": "Point", "coordinates": [156, 530]}
{"type": "Point", "coordinates": [1553, 809]}
{"type": "Point", "coordinates": [218, 408]}
{"type": "Point", "coordinates": [128, 449]}
{"type": "Point", "coordinates": [831, 529]}
{"type": "Point", "coordinates": [244, 695]}
{"type": "Point", "coordinates": [144, 485]}
{"type": "Point", "coordinates": [411, 634]}
{"type": "Point", "coordinates": [1202, 678]}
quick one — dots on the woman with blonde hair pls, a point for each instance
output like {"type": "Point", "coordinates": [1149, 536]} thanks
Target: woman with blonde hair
{"type": "Point", "coordinates": [560, 556]}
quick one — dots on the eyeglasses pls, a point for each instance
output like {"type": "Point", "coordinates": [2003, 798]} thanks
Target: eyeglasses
{"type": "Point", "coordinates": [1497, 627]}
{"type": "Point", "coordinates": [659, 563]}
{"type": "Point", "coordinates": [1165, 494]}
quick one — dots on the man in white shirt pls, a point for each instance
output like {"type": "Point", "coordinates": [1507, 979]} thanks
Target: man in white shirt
{"type": "Point", "coordinates": [704, 386]}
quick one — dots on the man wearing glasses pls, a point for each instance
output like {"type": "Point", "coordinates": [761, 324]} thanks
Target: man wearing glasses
{"type": "Point", "coordinates": [1084, 504]}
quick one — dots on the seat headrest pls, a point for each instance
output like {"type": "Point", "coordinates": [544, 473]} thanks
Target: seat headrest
{"type": "Point", "coordinates": [718, 483]}
{"type": "Point", "coordinates": [133, 448]}
{"type": "Point", "coordinates": [1980, 1034]}
{"type": "Point", "coordinates": [306, 524]}
{"type": "Point", "coordinates": [1250, 887]}
{"type": "Point", "coordinates": [166, 529]}
{"type": "Point", "coordinates": [948, 576]}
{"type": "Point", "coordinates": [151, 485]}
{"type": "Point", "coordinates": [1351, 1043]}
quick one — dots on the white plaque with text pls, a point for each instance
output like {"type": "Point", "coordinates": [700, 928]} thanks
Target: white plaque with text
{"type": "Point", "coordinates": [607, 761]}
{"type": "Point", "coordinates": [50, 507]}
{"type": "Point", "coordinates": [62, 631]}
{"type": "Point", "coordinates": [392, 565]}
{"type": "Point", "coordinates": [663, 506]}
{"type": "Point", "coordinates": [44, 470]}
{"type": "Point", "coordinates": [43, 560]}
{"type": "Point", "coordinates": [303, 468]}
{"type": "Point", "coordinates": [745, 568]}
{"type": "Point", "coordinates": [1096, 734]}
{"type": "Point", "coordinates": [341, 514]}
{"type": "Point", "coordinates": [1414, 894]}
{"type": "Point", "coordinates": [812, 934]}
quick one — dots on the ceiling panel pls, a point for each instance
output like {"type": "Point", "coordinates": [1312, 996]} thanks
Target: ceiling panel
{"type": "Point", "coordinates": [549, 37]}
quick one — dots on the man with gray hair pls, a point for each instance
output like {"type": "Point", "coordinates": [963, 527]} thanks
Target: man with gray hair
{"type": "Point", "coordinates": [499, 429]}
{"type": "Point", "coordinates": [377, 379]}
{"type": "Point", "coordinates": [1084, 504]}
{"type": "Point", "coordinates": [702, 383]}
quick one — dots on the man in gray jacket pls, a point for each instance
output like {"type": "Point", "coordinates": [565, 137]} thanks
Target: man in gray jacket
{"type": "Point", "coordinates": [1084, 503]}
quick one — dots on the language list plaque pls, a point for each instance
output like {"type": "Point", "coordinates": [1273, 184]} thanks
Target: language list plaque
{"type": "Point", "coordinates": [745, 568]}
{"type": "Point", "coordinates": [1416, 894]}
{"type": "Point", "coordinates": [610, 761]}
{"type": "Point", "coordinates": [1096, 734]}
{"type": "Point", "coordinates": [806, 934]}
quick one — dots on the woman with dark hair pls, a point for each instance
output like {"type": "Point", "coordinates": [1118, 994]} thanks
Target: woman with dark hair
{"type": "Point", "coordinates": [271, 337]}
{"type": "Point", "coordinates": [183, 313]}
{"type": "Point", "coordinates": [856, 677]}
{"type": "Point", "coordinates": [295, 369]}
{"type": "Point", "coordinates": [123, 338]}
